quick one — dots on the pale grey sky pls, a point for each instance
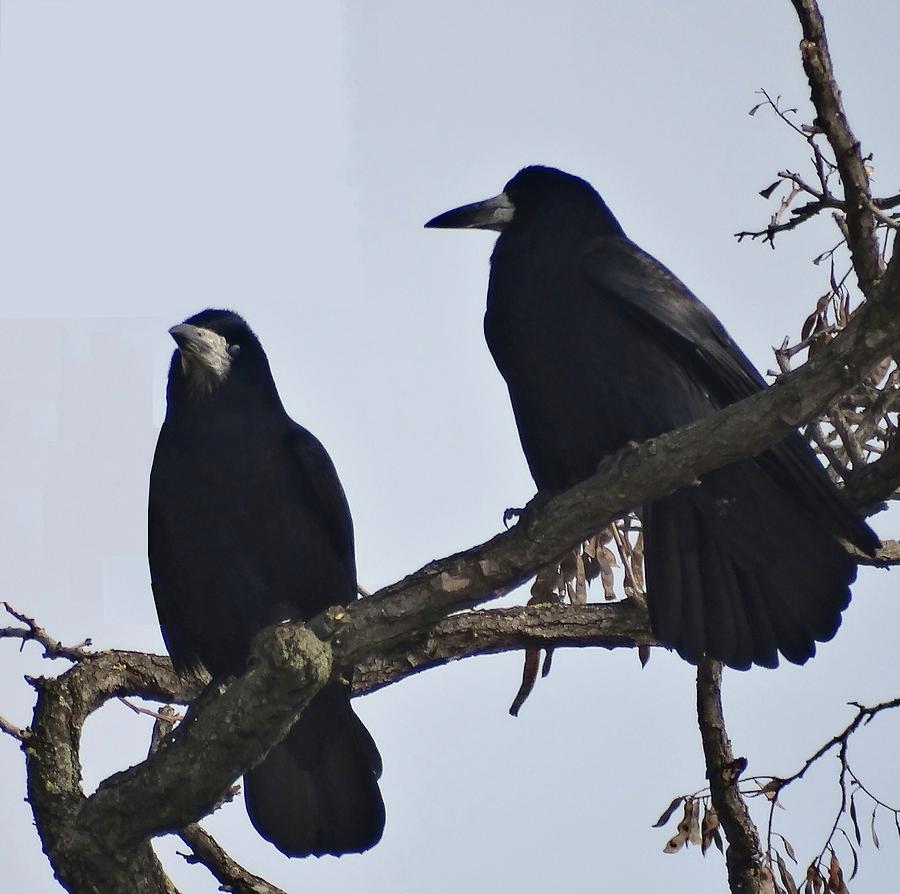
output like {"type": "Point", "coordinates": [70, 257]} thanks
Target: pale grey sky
{"type": "Point", "coordinates": [280, 159]}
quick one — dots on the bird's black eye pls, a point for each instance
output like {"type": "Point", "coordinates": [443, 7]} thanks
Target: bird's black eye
{"type": "Point", "coordinates": [234, 350]}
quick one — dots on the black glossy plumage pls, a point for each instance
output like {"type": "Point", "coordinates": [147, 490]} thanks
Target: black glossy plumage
{"type": "Point", "coordinates": [248, 526]}
{"type": "Point", "coordinates": [600, 345]}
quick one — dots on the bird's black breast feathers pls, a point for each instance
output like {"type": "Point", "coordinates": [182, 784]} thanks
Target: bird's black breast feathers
{"type": "Point", "coordinates": [585, 375]}
{"type": "Point", "coordinates": [248, 526]}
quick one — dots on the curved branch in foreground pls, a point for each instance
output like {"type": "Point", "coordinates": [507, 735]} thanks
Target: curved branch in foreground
{"type": "Point", "coordinates": [101, 843]}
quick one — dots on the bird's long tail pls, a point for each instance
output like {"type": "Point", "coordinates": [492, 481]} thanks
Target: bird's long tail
{"type": "Point", "coordinates": [738, 570]}
{"type": "Point", "coordinates": [317, 792]}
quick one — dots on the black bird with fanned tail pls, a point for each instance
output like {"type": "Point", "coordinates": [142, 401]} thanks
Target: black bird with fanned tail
{"type": "Point", "coordinates": [249, 526]}
{"type": "Point", "coordinates": [601, 345]}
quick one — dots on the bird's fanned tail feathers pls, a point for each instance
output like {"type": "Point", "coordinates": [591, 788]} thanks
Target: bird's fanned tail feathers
{"type": "Point", "coordinates": [317, 792]}
{"type": "Point", "coordinates": [736, 570]}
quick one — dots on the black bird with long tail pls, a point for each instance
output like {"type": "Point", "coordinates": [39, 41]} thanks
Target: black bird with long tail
{"type": "Point", "coordinates": [249, 526]}
{"type": "Point", "coordinates": [600, 345]}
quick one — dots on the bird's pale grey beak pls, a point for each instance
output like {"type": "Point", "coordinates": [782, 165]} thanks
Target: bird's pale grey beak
{"type": "Point", "coordinates": [205, 358]}
{"type": "Point", "coordinates": [187, 336]}
{"type": "Point", "coordinates": [491, 214]}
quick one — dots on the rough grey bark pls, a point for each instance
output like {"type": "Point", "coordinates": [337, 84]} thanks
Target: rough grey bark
{"type": "Point", "coordinates": [101, 843]}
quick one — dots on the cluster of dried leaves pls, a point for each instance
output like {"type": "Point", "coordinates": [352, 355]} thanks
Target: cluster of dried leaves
{"type": "Point", "coordinates": [569, 579]}
{"type": "Point", "coordinates": [691, 829]}
{"type": "Point", "coordinates": [863, 424]}
{"type": "Point", "coordinates": [800, 199]}
{"type": "Point", "coordinates": [776, 878]}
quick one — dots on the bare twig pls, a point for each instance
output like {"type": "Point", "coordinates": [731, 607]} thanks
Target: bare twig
{"type": "Point", "coordinates": [863, 716]}
{"type": "Point", "coordinates": [149, 712]}
{"type": "Point", "coordinates": [23, 735]}
{"type": "Point", "coordinates": [34, 632]}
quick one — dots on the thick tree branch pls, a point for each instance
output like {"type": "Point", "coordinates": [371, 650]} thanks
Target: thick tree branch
{"type": "Point", "coordinates": [608, 625]}
{"type": "Point", "coordinates": [100, 843]}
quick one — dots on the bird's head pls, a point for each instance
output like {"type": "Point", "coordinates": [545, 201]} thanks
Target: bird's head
{"type": "Point", "coordinates": [217, 351]}
{"type": "Point", "coordinates": [536, 193]}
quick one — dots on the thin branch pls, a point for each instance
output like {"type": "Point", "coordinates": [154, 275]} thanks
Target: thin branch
{"type": "Point", "coordinates": [23, 735]}
{"type": "Point", "coordinates": [33, 632]}
{"type": "Point", "coordinates": [744, 853]}
{"type": "Point", "coordinates": [831, 119]}
{"type": "Point", "coordinates": [864, 714]}
{"type": "Point", "coordinates": [228, 872]}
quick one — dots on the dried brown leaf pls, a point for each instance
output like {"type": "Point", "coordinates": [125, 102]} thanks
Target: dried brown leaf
{"type": "Point", "coordinates": [667, 813]}
{"type": "Point", "coordinates": [694, 836]}
{"type": "Point", "coordinates": [637, 561]}
{"type": "Point", "coordinates": [567, 566]}
{"type": "Point", "coordinates": [708, 827]}
{"type": "Point", "coordinates": [529, 678]}
{"type": "Point", "coordinates": [548, 662]}
{"type": "Point", "coordinates": [605, 554]}
{"type": "Point", "coordinates": [836, 883]}
{"type": "Point", "coordinates": [853, 818]}
{"type": "Point", "coordinates": [789, 848]}
{"type": "Point", "coordinates": [786, 878]}
{"type": "Point", "coordinates": [766, 880]}
{"type": "Point", "coordinates": [608, 581]}
{"type": "Point", "coordinates": [875, 840]}
{"type": "Point", "coordinates": [580, 582]}
{"type": "Point", "coordinates": [807, 328]}
{"type": "Point", "coordinates": [814, 881]}
{"type": "Point", "coordinates": [545, 583]}
{"type": "Point", "coordinates": [675, 843]}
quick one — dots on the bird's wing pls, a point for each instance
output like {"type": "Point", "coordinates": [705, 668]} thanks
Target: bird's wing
{"type": "Point", "coordinates": [657, 298]}
{"type": "Point", "coordinates": [321, 491]}
{"type": "Point", "coordinates": [651, 294]}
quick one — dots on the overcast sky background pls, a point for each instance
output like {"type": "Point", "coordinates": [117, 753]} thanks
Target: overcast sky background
{"type": "Point", "coordinates": [280, 159]}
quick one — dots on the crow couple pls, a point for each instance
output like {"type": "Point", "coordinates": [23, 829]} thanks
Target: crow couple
{"type": "Point", "coordinates": [599, 345]}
